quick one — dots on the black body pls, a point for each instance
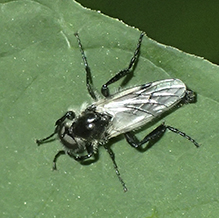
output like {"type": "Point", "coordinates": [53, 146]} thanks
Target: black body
{"type": "Point", "coordinates": [82, 135]}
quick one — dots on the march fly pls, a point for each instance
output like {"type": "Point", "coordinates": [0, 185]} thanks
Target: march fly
{"type": "Point", "coordinates": [119, 113]}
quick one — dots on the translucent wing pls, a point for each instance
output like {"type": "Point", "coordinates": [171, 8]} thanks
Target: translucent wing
{"type": "Point", "coordinates": [134, 107]}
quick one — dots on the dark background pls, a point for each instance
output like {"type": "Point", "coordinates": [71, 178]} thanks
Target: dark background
{"type": "Point", "coordinates": [192, 26]}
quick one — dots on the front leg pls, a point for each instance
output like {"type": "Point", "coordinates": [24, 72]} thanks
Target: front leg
{"type": "Point", "coordinates": [61, 152]}
{"type": "Point", "coordinates": [90, 152]}
{"type": "Point", "coordinates": [68, 115]}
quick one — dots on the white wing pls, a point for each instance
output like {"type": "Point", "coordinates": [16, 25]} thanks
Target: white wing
{"type": "Point", "coordinates": [134, 107]}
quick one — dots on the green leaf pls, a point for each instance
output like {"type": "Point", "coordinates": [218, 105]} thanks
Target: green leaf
{"type": "Point", "coordinates": [42, 74]}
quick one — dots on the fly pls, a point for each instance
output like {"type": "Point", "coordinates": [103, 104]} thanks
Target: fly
{"type": "Point", "coordinates": [120, 113]}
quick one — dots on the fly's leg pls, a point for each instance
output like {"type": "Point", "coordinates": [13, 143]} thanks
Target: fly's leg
{"type": "Point", "coordinates": [125, 72]}
{"type": "Point", "coordinates": [45, 140]}
{"type": "Point", "coordinates": [90, 152]}
{"type": "Point", "coordinates": [77, 158]}
{"type": "Point", "coordinates": [156, 135]}
{"type": "Point", "coordinates": [81, 158]}
{"type": "Point", "coordinates": [89, 81]}
{"type": "Point", "coordinates": [68, 115]}
{"type": "Point", "coordinates": [112, 156]}
{"type": "Point", "coordinates": [152, 136]}
{"type": "Point", "coordinates": [61, 152]}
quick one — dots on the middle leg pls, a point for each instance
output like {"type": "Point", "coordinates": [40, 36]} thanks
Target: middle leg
{"type": "Point", "coordinates": [126, 71]}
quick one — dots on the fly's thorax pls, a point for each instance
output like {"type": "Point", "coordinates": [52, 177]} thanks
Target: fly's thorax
{"type": "Point", "coordinates": [91, 125]}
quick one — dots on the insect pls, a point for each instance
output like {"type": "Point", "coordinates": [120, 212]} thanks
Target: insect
{"type": "Point", "coordinates": [120, 113]}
